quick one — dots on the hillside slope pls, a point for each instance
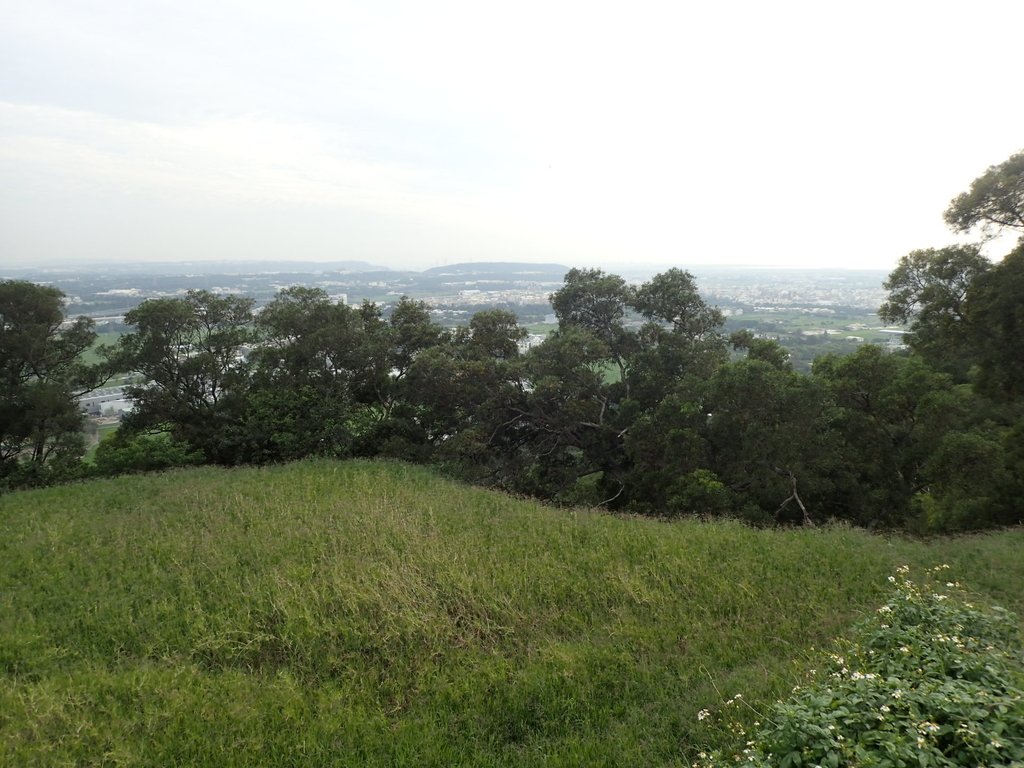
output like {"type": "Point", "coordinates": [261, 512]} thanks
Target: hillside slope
{"type": "Point", "coordinates": [328, 613]}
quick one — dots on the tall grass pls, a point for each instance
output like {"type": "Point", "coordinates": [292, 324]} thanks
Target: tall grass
{"type": "Point", "coordinates": [355, 613]}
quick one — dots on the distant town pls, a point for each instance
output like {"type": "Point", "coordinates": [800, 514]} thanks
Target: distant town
{"type": "Point", "coordinates": [810, 311]}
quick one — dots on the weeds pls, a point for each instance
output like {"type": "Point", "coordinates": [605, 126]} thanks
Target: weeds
{"type": "Point", "coordinates": [930, 680]}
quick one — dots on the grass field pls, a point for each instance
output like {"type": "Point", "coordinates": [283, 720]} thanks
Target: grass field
{"type": "Point", "coordinates": [327, 613]}
{"type": "Point", "coordinates": [91, 356]}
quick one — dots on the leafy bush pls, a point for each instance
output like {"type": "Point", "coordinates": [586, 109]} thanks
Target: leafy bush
{"type": "Point", "coordinates": [930, 680]}
{"type": "Point", "coordinates": [142, 453]}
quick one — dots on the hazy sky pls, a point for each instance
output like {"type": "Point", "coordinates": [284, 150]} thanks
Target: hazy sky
{"type": "Point", "coordinates": [419, 133]}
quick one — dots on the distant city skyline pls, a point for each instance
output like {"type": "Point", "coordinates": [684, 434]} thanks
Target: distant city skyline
{"type": "Point", "coordinates": [413, 135]}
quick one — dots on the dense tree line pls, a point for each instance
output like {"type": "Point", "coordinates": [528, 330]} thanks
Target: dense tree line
{"type": "Point", "coordinates": [41, 376]}
{"type": "Point", "coordinates": [637, 402]}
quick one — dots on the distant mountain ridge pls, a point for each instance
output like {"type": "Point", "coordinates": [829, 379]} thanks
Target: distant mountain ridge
{"type": "Point", "coordinates": [535, 271]}
{"type": "Point", "coordinates": [463, 270]}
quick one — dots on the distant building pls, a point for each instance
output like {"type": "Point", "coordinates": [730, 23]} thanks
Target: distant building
{"type": "Point", "coordinates": [531, 341]}
{"type": "Point", "coordinates": [108, 401]}
{"type": "Point", "coordinates": [897, 338]}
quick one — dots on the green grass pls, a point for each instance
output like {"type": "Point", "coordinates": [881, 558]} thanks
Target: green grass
{"type": "Point", "coordinates": [328, 613]}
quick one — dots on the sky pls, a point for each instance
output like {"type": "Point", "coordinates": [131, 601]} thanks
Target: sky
{"type": "Point", "coordinates": [416, 134]}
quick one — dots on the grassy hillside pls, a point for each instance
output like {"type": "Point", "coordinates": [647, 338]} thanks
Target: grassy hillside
{"type": "Point", "coordinates": [329, 613]}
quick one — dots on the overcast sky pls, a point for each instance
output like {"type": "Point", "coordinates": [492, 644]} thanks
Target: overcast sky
{"type": "Point", "coordinates": [421, 133]}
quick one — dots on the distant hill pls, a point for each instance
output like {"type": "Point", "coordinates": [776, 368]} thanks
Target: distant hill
{"type": "Point", "coordinates": [375, 614]}
{"type": "Point", "coordinates": [503, 269]}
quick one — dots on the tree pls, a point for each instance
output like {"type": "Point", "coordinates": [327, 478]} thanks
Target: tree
{"type": "Point", "coordinates": [963, 311]}
{"type": "Point", "coordinates": [768, 350]}
{"type": "Point", "coordinates": [766, 438]}
{"type": "Point", "coordinates": [681, 336]}
{"type": "Point", "coordinates": [671, 298]}
{"type": "Point", "coordinates": [192, 353]}
{"type": "Point", "coordinates": [929, 290]}
{"type": "Point", "coordinates": [652, 337]}
{"type": "Point", "coordinates": [967, 479]}
{"type": "Point", "coordinates": [466, 391]}
{"type": "Point", "coordinates": [388, 350]}
{"type": "Point", "coordinates": [668, 455]}
{"type": "Point", "coordinates": [598, 303]}
{"type": "Point", "coordinates": [994, 202]}
{"type": "Point", "coordinates": [300, 399]}
{"type": "Point", "coordinates": [564, 422]}
{"type": "Point", "coordinates": [888, 414]}
{"type": "Point", "coordinates": [41, 378]}
{"type": "Point", "coordinates": [495, 334]}
{"type": "Point", "coordinates": [995, 301]}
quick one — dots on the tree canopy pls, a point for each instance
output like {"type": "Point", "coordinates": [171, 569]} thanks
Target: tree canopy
{"type": "Point", "coordinates": [41, 377]}
{"type": "Point", "coordinates": [928, 289]}
{"type": "Point", "coordinates": [995, 200]}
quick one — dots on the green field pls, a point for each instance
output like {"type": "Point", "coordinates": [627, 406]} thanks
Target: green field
{"type": "Point", "coordinates": [329, 613]}
{"type": "Point", "coordinates": [91, 356]}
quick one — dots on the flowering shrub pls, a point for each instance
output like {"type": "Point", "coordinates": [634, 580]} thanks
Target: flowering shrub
{"type": "Point", "coordinates": [930, 680]}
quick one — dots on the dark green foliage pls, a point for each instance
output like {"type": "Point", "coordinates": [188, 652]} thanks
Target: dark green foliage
{"type": "Point", "coordinates": [766, 437]}
{"type": "Point", "coordinates": [618, 352]}
{"type": "Point", "coordinates": [768, 350]}
{"type": "Point", "coordinates": [632, 404]}
{"type": "Point", "coordinates": [996, 303]}
{"type": "Point", "coordinates": [595, 301]}
{"type": "Point", "coordinates": [889, 414]}
{"type": "Point", "coordinates": [466, 389]}
{"type": "Point", "coordinates": [969, 483]}
{"type": "Point", "coordinates": [191, 352]}
{"type": "Point", "coordinates": [929, 290]}
{"type": "Point", "coordinates": [665, 448]}
{"type": "Point", "coordinates": [124, 452]}
{"type": "Point", "coordinates": [301, 400]}
{"type": "Point", "coordinates": [41, 376]}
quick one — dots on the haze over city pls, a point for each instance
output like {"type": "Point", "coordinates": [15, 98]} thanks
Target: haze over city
{"type": "Point", "coordinates": [411, 135]}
